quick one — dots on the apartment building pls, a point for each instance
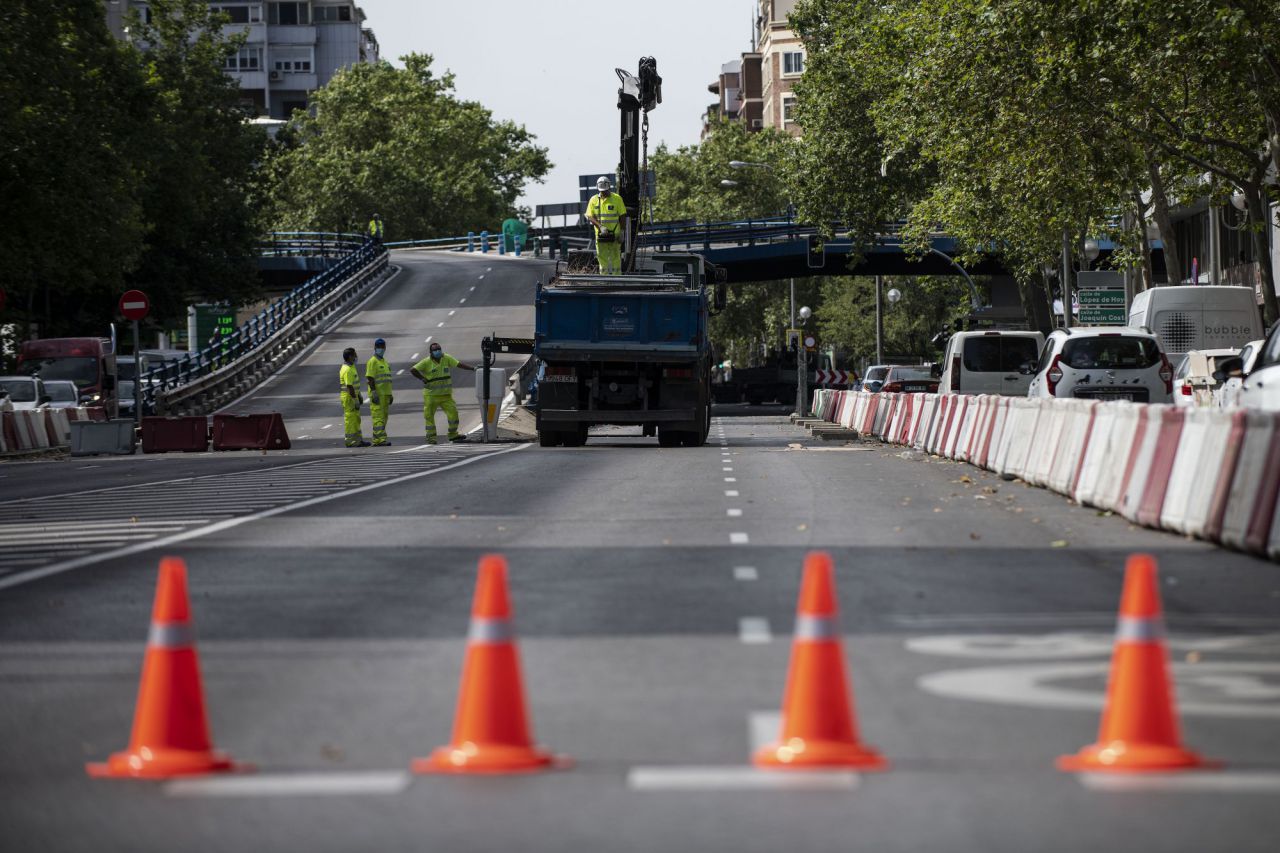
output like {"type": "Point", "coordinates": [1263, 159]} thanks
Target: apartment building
{"type": "Point", "coordinates": [782, 63]}
{"type": "Point", "coordinates": [293, 48]}
{"type": "Point", "coordinates": [739, 95]}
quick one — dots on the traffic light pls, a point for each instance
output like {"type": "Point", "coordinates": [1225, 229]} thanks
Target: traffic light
{"type": "Point", "coordinates": [817, 252]}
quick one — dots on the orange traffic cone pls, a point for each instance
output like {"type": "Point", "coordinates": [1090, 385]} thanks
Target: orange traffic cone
{"type": "Point", "coordinates": [490, 729]}
{"type": "Point", "coordinates": [1139, 730]}
{"type": "Point", "coordinates": [170, 730]}
{"type": "Point", "coordinates": [818, 725]}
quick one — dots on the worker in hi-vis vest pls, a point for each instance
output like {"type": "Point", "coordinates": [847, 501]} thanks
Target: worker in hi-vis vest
{"type": "Point", "coordinates": [378, 374]}
{"type": "Point", "coordinates": [375, 228]}
{"type": "Point", "coordinates": [606, 211]}
{"type": "Point", "coordinates": [437, 390]}
{"type": "Point", "coordinates": [349, 387]}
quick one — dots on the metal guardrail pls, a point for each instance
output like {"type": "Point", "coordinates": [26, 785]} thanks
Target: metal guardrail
{"type": "Point", "coordinates": [324, 244]}
{"type": "Point", "coordinates": [227, 368]}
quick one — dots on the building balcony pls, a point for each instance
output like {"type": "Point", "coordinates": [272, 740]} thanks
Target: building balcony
{"type": "Point", "coordinates": [292, 34]}
{"type": "Point", "coordinates": [288, 81]}
{"type": "Point", "coordinates": [249, 79]}
{"type": "Point", "coordinates": [255, 33]}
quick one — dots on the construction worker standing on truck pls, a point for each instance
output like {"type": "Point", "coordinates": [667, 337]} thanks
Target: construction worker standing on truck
{"type": "Point", "coordinates": [349, 385]}
{"type": "Point", "coordinates": [437, 390]}
{"type": "Point", "coordinates": [606, 211]}
{"type": "Point", "coordinates": [378, 374]}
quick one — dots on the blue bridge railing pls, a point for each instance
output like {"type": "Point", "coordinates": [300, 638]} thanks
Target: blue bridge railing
{"type": "Point", "coordinates": [259, 329]}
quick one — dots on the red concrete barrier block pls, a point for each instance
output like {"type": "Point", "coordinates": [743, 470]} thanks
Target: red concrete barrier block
{"type": "Point", "coordinates": [175, 435]}
{"type": "Point", "coordinates": [250, 432]}
{"type": "Point", "coordinates": [1151, 504]}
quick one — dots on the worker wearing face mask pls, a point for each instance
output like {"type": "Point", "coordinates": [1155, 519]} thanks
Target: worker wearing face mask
{"type": "Point", "coordinates": [378, 374]}
{"type": "Point", "coordinates": [349, 394]}
{"type": "Point", "coordinates": [435, 373]}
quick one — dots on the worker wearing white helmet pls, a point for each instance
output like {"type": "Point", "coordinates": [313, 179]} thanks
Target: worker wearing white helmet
{"type": "Point", "coordinates": [606, 211]}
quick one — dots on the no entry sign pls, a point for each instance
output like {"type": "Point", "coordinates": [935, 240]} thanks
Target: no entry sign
{"type": "Point", "coordinates": [134, 305]}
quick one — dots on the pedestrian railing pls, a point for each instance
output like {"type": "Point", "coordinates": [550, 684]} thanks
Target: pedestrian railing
{"type": "Point", "coordinates": [325, 244]}
{"type": "Point", "coordinates": [230, 366]}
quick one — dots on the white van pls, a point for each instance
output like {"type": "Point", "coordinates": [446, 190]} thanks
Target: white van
{"type": "Point", "coordinates": [1197, 317]}
{"type": "Point", "coordinates": [989, 362]}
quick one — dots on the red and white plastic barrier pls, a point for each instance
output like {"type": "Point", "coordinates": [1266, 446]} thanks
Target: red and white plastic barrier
{"type": "Point", "coordinates": [33, 430]}
{"type": "Point", "coordinates": [1209, 473]}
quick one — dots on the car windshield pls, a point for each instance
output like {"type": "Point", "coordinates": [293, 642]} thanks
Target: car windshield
{"type": "Point", "coordinates": [901, 374]}
{"type": "Point", "coordinates": [876, 374]}
{"type": "Point", "coordinates": [1111, 352]}
{"type": "Point", "coordinates": [82, 371]}
{"type": "Point", "coordinates": [61, 392]}
{"type": "Point", "coordinates": [999, 353]}
{"type": "Point", "coordinates": [20, 390]}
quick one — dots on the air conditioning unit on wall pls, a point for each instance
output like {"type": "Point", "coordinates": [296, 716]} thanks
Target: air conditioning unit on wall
{"type": "Point", "coordinates": [277, 75]}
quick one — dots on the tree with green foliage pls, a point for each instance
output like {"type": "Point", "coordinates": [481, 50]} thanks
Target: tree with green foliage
{"type": "Point", "coordinates": [74, 113]}
{"type": "Point", "coordinates": [396, 141]}
{"type": "Point", "coordinates": [689, 178]}
{"type": "Point", "coordinates": [198, 163]}
{"type": "Point", "coordinates": [929, 304]}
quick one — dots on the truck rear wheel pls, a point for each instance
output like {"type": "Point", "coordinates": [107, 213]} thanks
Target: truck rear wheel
{"type": "Point", "coordinates": [575, 437]}
{"type": "Point", "coordinates": [549, 438]}
{"type": "Point", "coordinates": [669, 437]}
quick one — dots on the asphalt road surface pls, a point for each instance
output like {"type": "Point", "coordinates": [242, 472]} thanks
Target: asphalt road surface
{"type": "Point", "coordinates": [654, 592]}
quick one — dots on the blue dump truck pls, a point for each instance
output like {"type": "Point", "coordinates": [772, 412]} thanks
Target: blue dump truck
{"type": "Point", "coordinates": [628, 349]}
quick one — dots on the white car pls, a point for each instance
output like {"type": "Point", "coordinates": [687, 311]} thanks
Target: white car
{"type": "Point", "coordinates": [875, 376]}
{"type": "Point", "coordinates": [25, 392]}
{"type": "Point", "coordinates": [1261, 387]}
{"type": "Point", "coordinates": [1227, 395]}
{"type": "Point", "coordinates": [63, 394]}
{"type": "Point", "coordinates": [989, 362]}
{"type": "Point", "coordinates": [1103, 363]}
{"type": "Point", "coordinates": [1194, 383]}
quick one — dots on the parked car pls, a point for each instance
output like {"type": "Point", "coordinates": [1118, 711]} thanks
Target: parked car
{"type": "Point", "coordinates": [25, 392]}
{"type": "Point", "coordinates": [989, 362]}
{"type": "Point", "coordinates": [1194, 383]}
{"type": "Point", "coordinates": [63, 394]}
{"type": "Point", "coordinates": [874, 377]}
{"type": "Point", "coordinates": [1103, 363]}
{"type": "Point", "coordinates": [1260, 388]}
{"type": "Point", "coordinates": [910, 380]}
{"type": "Point", "coordinates": [1227, 395]}
{"type": "Point", "coordinates": [1197, 317]}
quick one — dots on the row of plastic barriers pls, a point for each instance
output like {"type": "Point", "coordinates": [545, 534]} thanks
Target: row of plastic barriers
{"type": "Point", "coordinates": [1209, 473]}
{"type": "Point", "coordinates": [33, 430]}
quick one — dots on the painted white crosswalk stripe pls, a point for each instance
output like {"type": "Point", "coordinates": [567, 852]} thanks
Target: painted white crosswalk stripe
{"type": "Point", "coordinates": [53, 530]}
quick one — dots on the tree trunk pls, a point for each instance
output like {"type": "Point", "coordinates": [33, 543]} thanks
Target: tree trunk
{"type": "Point", "coordinates": [1160, 211]}
{"type": "Point", "coordinates": [1146, 273]}
{"type": "Point", "coordinates": [1257, 197]}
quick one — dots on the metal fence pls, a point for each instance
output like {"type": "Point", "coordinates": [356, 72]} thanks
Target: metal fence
{"type": "Point", "coordinates": [213, 373]}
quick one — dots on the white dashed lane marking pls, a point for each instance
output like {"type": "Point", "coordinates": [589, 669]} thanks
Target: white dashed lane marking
{"type": "Point", "coordinates": [440, 325]}
{"type": "Point", "coordinates": [738, 539]}
{"type": "Point", "coordinates": [452, 312]}
{"type": "Point", "coordinates": [730, 493]}
{"type": "Point", "coordinates": [745, 573]}
{"type": "Point", "coordinates": [754, 630]}
{"type": "Point", "coordinates": [733, 513]}
{"type": "Point", "coordinates": [731, 479]}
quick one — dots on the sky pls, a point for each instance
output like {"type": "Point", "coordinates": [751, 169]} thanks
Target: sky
{"type": "Point", "coordinates": [550, 66]}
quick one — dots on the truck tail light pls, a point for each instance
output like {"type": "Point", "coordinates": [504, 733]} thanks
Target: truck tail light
{"type": "Point", "coordinates": [677, 372]}
{"type": "Point", "coordinates": [1166, 373]}
{"type": "Point", "coordinates": [1053, 375]}
{"type": "Point", "coordinates": [955, 373]}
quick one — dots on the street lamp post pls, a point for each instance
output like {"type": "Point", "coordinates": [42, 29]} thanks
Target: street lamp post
{"type": "Point", "coordinates": [802, 367]}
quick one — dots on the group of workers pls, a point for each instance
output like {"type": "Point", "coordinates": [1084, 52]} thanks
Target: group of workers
{"type": "Point", "coordinates": [605, 212]}
{"type": "Point", "coordinates": [435, 374]}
